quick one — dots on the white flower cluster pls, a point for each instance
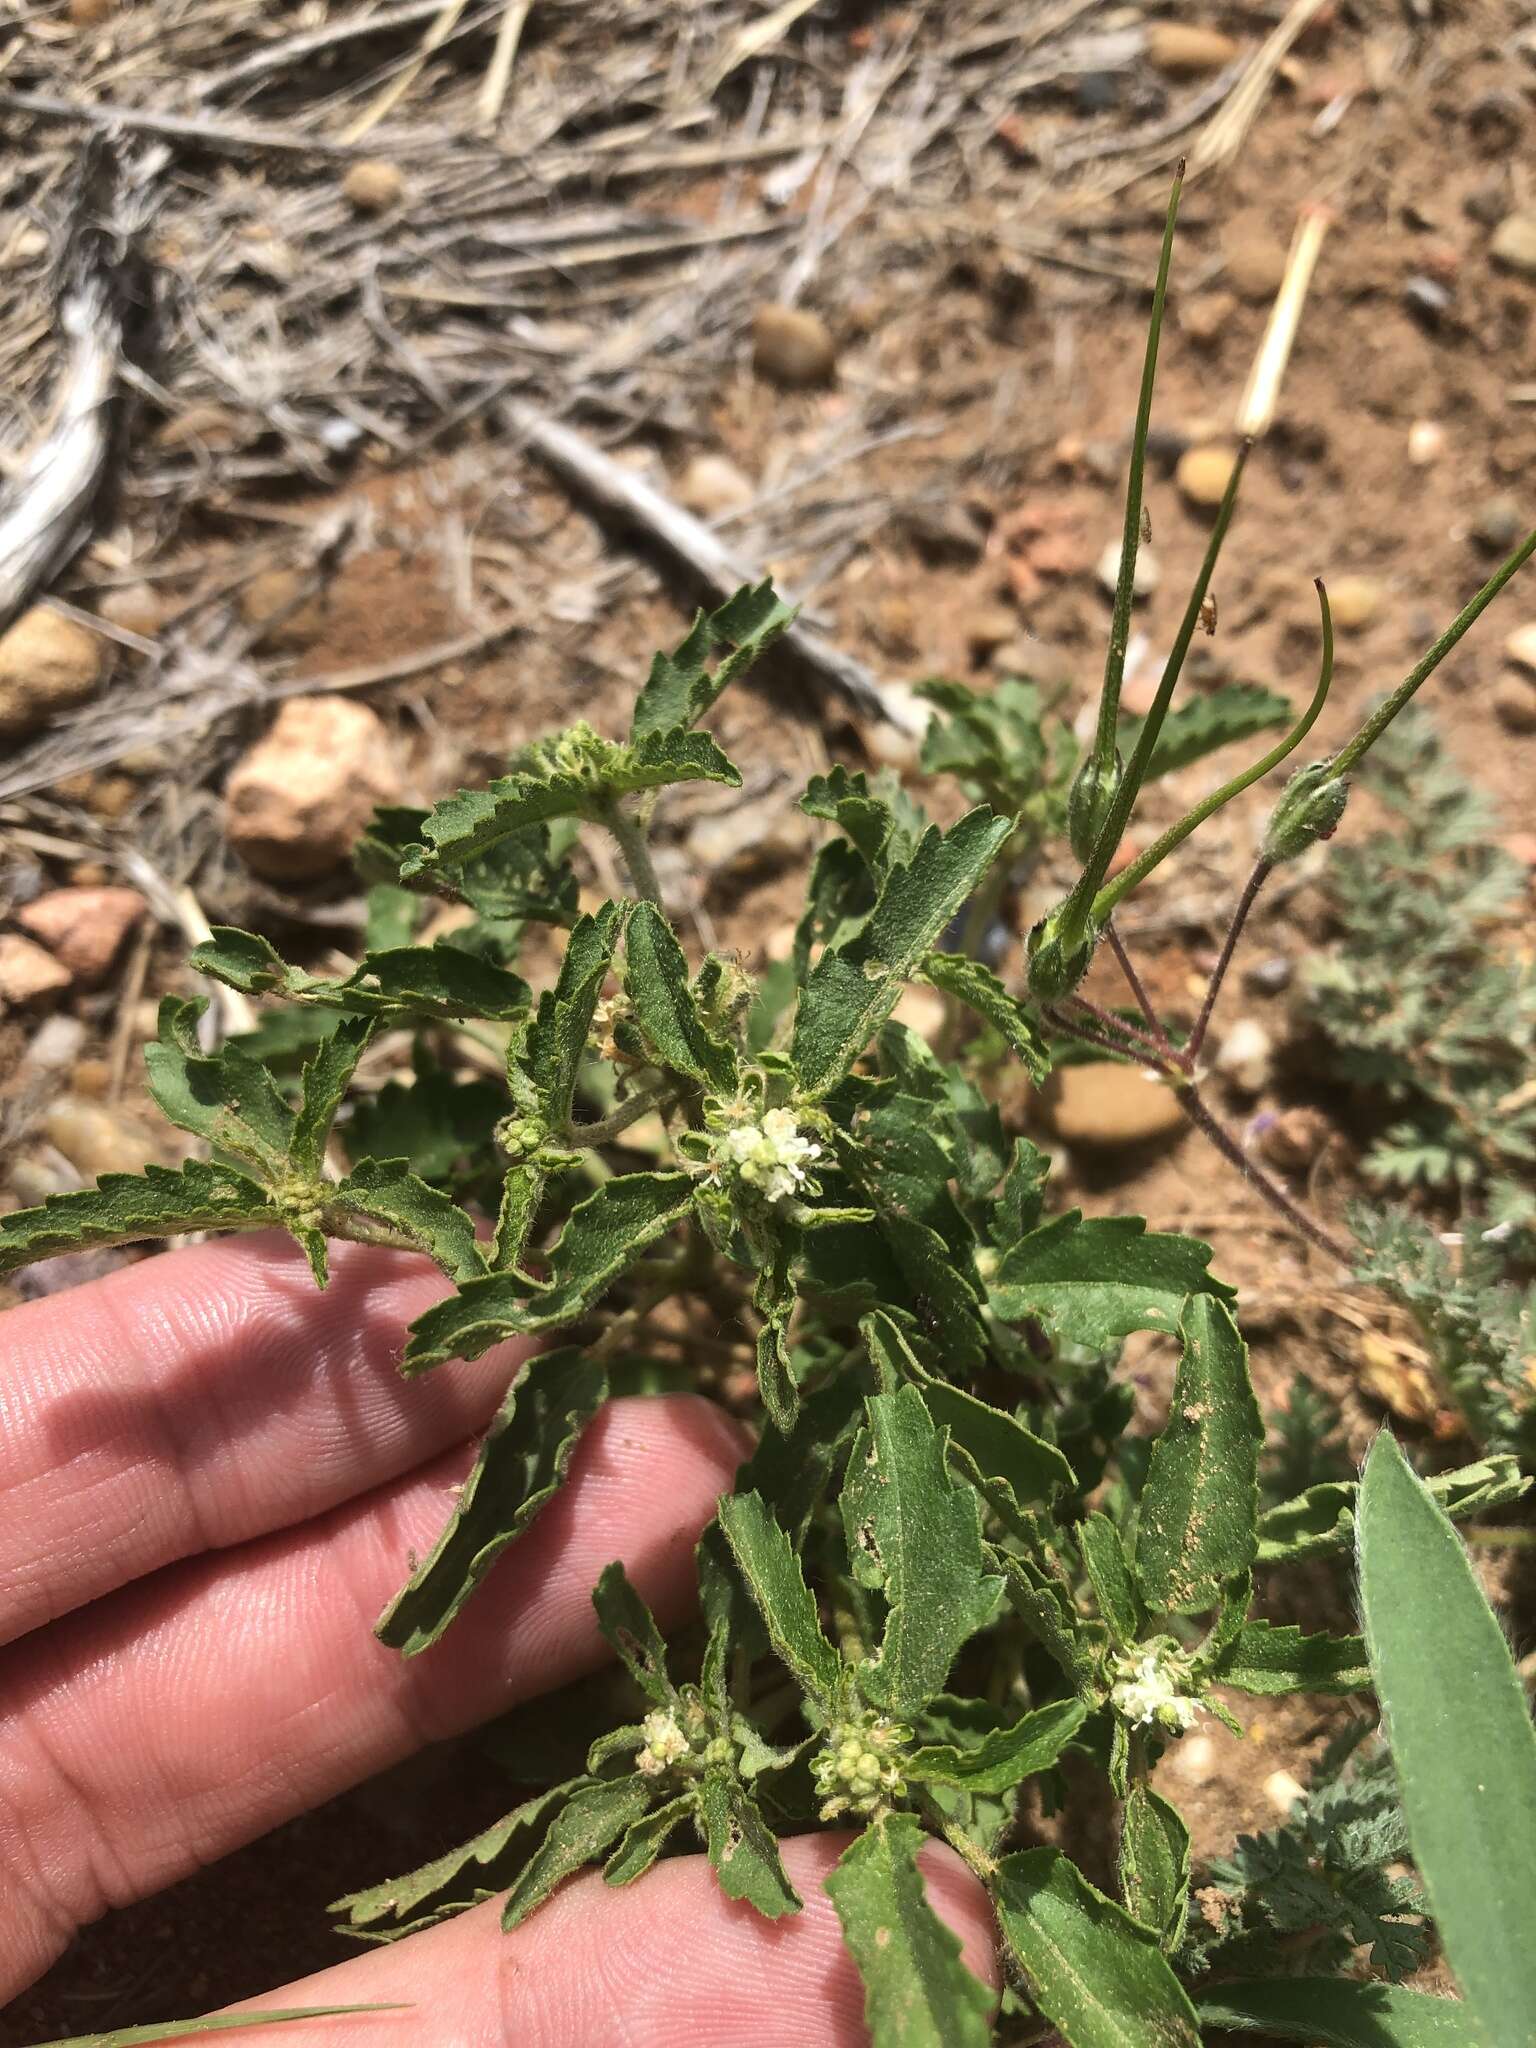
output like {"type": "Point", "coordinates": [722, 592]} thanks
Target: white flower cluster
{"type": "Point", "coordinates": [665, 1743]}
{"type": "Point", "coordinates": [771, 1156]}
{"type": "Point", "coordinates": [1147, 1693]}
{"type": "Point", "coordinates": [858, 1769]}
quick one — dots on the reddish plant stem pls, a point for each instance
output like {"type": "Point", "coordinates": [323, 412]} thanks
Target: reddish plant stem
{"type": "Point", "coordinates": [1194, 1108]}
{"type": "Point", "coordinates": [1134, 982]}
{"type": "Point", "coordinates": [1074, 1027]}
{"type": "Point", "coordinates": [1245, 903]}
{"type": "Point", "coordinates": [1136, 1038]}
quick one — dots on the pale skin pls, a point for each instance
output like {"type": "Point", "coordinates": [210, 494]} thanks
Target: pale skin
{"type": "Point", "coordinates": [212, 1477]}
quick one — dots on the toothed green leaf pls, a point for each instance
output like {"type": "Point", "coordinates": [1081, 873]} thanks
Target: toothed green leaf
{"type": "Point", "coordinates": [1003, 1758]}
{"type": "Point", "coordinates": [643, 1840]}
{"type": "Point", "coordinates": [1093, 1281]}
{"type": "Point", "coordinates": [523, 878]}
{"type": "Point", "coordinates": [975, 985]}
{"type": "Point", "coordinates": [914, 1533]}
{"type": "Point", "coordinates": [681, 688]}
{"type": "Point", "coordinates": [602, 1238]}
{"type": "Point", "coordinates": [593, 1818]}
{"type": "Point", "coordinates": [917, 1992]}
{"type": "Point", "coordinates": [1269, 1658]}
{"type": "Point", "coordinates": [397, 984]}
{"type": "Point", "coordinates": [742, 1848]}
{"type": "Point", "coordinates": [666, 1008]}
{"type": "Point", "coordinates": [557, 1033]}
{"type": "Point", "coordinates": [227, 1097]}
{"type": "Point", "coordinates": [1322, 1520]}
{"type": "Point", "coordinates": [768, 1564]}
{"type": "Point", "coordinates": [1154, 1864]}
{"type": "Point", "coordinates": [1109, 1574]}
{"type": "Point", "coordinates": [327, 1076]}
{"type": "Point", "coordinates": [387, 1190]}
{"type": "Point", "coordinates": [1333, 2012]}
{"type": "Point", "coordinates": [1197, 727]}
{"type": "Point", "coordinates": [1094, 1973]}
{"type": "Point", "coordinates": [631, 1632]}
{"type": "Point", "coordinates": [125, 1208]}
{"type": "Point", "coordinates": [855, 984]}
{"type": "Point", "coordinates": [518, 1469]}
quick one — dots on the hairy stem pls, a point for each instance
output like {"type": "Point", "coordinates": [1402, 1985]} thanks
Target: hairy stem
{"type": "Point", "coordinates": [1194, 1107]}
{"type": "Point", "coordinates": [604, 1129]}
{"type": "Point", "coordinates": [1134, 982]}
{"type": "Point", "coordinates": [636, 855]}
{"type": "Point", "coordinates": [1245, 903]}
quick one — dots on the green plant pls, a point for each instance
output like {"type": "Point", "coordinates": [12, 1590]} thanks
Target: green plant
{"type": "Point", "coordinates": [947, 1563]}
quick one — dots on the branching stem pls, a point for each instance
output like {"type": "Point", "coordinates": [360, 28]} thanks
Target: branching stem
{"type": "Point", "coordinates": [1245, 902]}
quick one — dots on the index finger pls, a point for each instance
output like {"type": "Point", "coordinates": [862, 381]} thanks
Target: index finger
{"type": "Point", "coordinates": [205, 1397]}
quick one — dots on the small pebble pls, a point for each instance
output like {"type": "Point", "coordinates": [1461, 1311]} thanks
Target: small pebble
{"type": "Point", "coordinates": [90, 13]}
{"type": "Point", "coordinates": [1499, 524]}
{"type": "Point", "coordinates": [48, 664]}
{"type": "Point", "coordinates": [84, 929]}
{"type": "Point", "coordinates": [373, 186]}
{"type": "Point", "coordinates": [1426, 443]}
{"type": "Point", "coordinates": [56, 1044]}
{"type": "Point", "coordinates": [1206, 317]}
{"type": "Point", "coordinates": [28, 973]}
{"type": "Point", "coordinates": [1253, 256]}
{"type": "Point", "coordinates": [1520, 647]}
{"type": "Point", "coordinates": [1282, 1791]}
{"type": "Point", "coordinates": [1514, 703]}
{"type": "Point", "coordinates": [1293, 1138]}
{"type": "Point", "coordinates": [712, 486]}
{"type": "Point", "coordinates": [1354, 602]}
{"type": "Point", "coordinates": [1203, 475]}
{"type": "Point", "coordinates": [1247, 1057]}
{"type": "Point", "coordinates": [1271, 977]}
{"type": "Point", "coordinates": [1428, 297]}
{"type": "Point", "coordinates": [1187, 50]}
{"type": "Point", "coordinates": [1145, 580]}
{"type": "Point", "coordinates": [1513, 244]}
{"type": "Point", "coordinates": [989, 627]}
{"type": "Point", "coordinates": [1104, 1105]}
{"type": "Point", "coordinates": [268, 597]}
{"type": "Point", "coordinates": [792, 347]}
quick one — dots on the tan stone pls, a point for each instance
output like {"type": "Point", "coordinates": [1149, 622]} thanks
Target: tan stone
{"type": "Point", "coordinates": [48, 664]}
{"type": "Point", "coordinates": [267, 597]}
{"type": "Point", "coordinates": [90, 13]}
{"type": "Point", "coordinates": [792, 347]}
{"type": "Point", "coordinates": [1513, 246]}
{"type": "Point", "coordinates": [1514, 703]}
{"type": "Point", "coordinates": [712, 485]}
{"type": "Point", "coordinates": [28, 974]}
{"type": "Point", "coordinates": [373, 186]}
{"type": "Point", "coordinates": [1355, 602]}
{"type": "Point", "coordinates": [1186, 49]}
{"type": "Point", "coordinates": [83, 928]}
{"type": "Point", "coordinates": [134, 607]}
{"type": "Point", "coordinates": [1101, 1104]}
{"type": "Point", "coordinates": [1206, 317]}
{"type": "Point", "coordinates": [96, 1140]}
{"type": "Point", "coordinates": [1253, 256]}
{"type": "Point", "coordinates": [296, 803]}
{"type": "Point", "coordinates": [1204, 473]}
{"type": "Point", "coordinates": [1294, 1138]}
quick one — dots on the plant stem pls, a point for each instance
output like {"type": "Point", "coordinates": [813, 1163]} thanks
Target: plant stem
{"type": "Point", "coordinates": [635, 853]}
{"type": "Point", "coordinates": [1191, 1102]}
{"type": "Point", "coordinates": [605, 1129]}
{"type": "Point", "coordinates": [1136, 1039]}
{"type": "Point", "coordinates": [1245, 903]}
{"type": "Point", "coordinates": [1133, 979]}
{"type": "Point", "coordinates": [1383, 716]}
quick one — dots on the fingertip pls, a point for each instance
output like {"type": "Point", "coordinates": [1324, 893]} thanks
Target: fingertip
{"type": "Point", "coordinates": [960, 1899]}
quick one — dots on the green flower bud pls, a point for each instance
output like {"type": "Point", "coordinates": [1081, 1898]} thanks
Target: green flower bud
{"type": "Point", "coordinates": [1310, 807]}
{"type": "Point", "coordinates": [1052, 973]}
{"type": "Point", "coordinates": [859, 1768]}
{"type": "Point", "coordinates": [1093, 791]}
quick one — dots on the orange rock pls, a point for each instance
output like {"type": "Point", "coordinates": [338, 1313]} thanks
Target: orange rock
{"type": "Point", "coordinates": [28, 974]}
{"type": "Point", "coordinates": [83, 928]}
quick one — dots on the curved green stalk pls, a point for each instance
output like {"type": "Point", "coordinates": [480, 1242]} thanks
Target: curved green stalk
{"type": "Point", "coordinates": [1383, 716]}
{"type": "Point", "coordinates": [1137, 872]}
{"type": "Point", "coordinates": [1130, 541]}
{"type": "Point", "coordinates": [1080, 908]}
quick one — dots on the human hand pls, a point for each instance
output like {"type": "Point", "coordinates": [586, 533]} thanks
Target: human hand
{"type": "Point", "coordinates": [212, 1477]}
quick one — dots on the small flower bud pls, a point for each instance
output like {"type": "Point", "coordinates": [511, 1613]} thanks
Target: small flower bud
{"type": "Point", "coordinates": [1052, 973]}
{"type": "Point", "coordinates": [1310, 807]}
{"type": "Point", "coordinates": [1093, 791]}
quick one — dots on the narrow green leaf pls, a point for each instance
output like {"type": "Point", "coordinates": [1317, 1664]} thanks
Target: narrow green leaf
{"type": "Point", "coordinates": [630, 1629]}
{"type": "Point", "coordinates": [917, 1992]}
{"type": "Point", "coordinates": [521, 1193]}
{"type": "Point", "coordinates": [227, 1097]}
{"type": "Point", "coordinates": [1333, 2012]}
{"type": "Point", "coordinates": [773, 1296]}
{"type": "Point", "coordinates": [1005, 1757]}
{"type": "Point", "coordinates": [327, 1076]}
{"type": "Point", "coordinates": [1190, 731]}
{"type": "Point", "coordinates": [1094, 1281]}
{"type": "Point", "coordinates": [666, 1010]}
{"type": "Point", "coordinates": [557, 1032]}
{"type": "Point", "coordinates": [915, 1534]}
{"type": "Point", "coordinates": [643, 1841]}
{"type": "Point", "coordinates": [523, 878]}
{"type": "Point", "coordinates": [1154, 1864]}
{"type": "Point", "coordinates": [1460, 1732]}
{"type": "Point", "coordinates": [451, 1883]}
{"type": "Point", "coordinates": [742, 1848]}
{"type": "Point", "coordinates": [974, 984]}
{"type": "Point", "coordinates": [517, 1471]}
{"type": "Point", "coordinates": [1045, 1607]}
{"type": "Point", "coordinates": [399, 982]}
{"type": "Point", "coordinates": [1109, 1574]}
{"type": "Point", "coordinates": [215, 2023]}
{"type": "Point", "coordinates": [855, 984]}
{"type": "Point", "coordinates": [603, 1236]}
{"type": "Point", "coordinates": [1321, 1521]}
{"type": "Point", "coordinates": [387, 1190]}
{"type": "Point", "coordinates": [1267, 1659]}
{"type": "Point", "coordinates": [590, 1821]}
{"type": "Point", "coordinates": [680, 688]}
{"type": "Point", "coordinates": [1092, 1971]}
{"type": "Point", "coordinates": [1200, 1508]}
{"type": "Point", "coordinates": [124, 1208]}
{"type": "Point", "coordinates": [771, 1569]}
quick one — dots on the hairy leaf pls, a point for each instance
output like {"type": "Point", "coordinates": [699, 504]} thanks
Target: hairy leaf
{"type": "Point", "coordinates": [844, 798]}
{"type": "Point", "coordinates": [1003, 1758]}
{"type": "Point", "coordinates": [1322, 1520]}
{"type": "Point", "coordinates": [1199, 1510]}
{"type": "Point", "coordinates": [327, 1076]}
{"type": "Point", "coordinates": [1154, 1863]}
{"type": "Point", "coordinates": [1109, 1574]}
{"type": "Point", "coordinates": [557, 1032]}
{"type": "Point", "coordinates": [522, 879]}
{"type": "Point", "coordinates": [666, 1009]}
{"type": "Point", "coordinates": [643, 1841]}
{"type": "Point", "coordinates": [518, 1470]}
{"type": "Point", "coordinates": [590, 1821]}
{"type": "Point", "coordinates": [914, 1533]}
{"type": "Point", "coordinates": [630, 1629]}
{"type": "Point", "coordinates": [972, 983]}
{"type": "Point", "coordinates": [771, 1569]}
{"type": "Point", "coordinates": [1090, 1968]}
{"type": "Point", "coordinates": [1197, 727]}
{"type": "Point", "coordinates": [388, 1190]}
{"type": "Point", "coordinates": [124, 1208]}
{"type": "Point", "coordinates": [227, 1097]}
{"type": "Point", "coordinates": [1459, 1726]}
{"type": "Point", "coordinates": [917, 1992]}
{"type": "Point", "coordinates": [855, 984]}
{"type": "Point", "coordinates": [1093, 1281]}
{"type": "Point", "coordinates": [603, 1236]}
{"type": "Point", "coordinates": [680, 688]}
{"type": "Point", "coordinates": [742, 1847]}
{"type": "Point", "coordinates": [403, 982]}
{"type": "Point", "coordinates": [1266, 1658]}
{"type": "Point", "coordinates": [1333, 2012]}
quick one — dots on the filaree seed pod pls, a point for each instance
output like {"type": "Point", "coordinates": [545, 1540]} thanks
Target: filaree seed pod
{"type": "Point", "coordinates": [1309, 809]}
{"type": "Point", "coordinates": [1093, 791]}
